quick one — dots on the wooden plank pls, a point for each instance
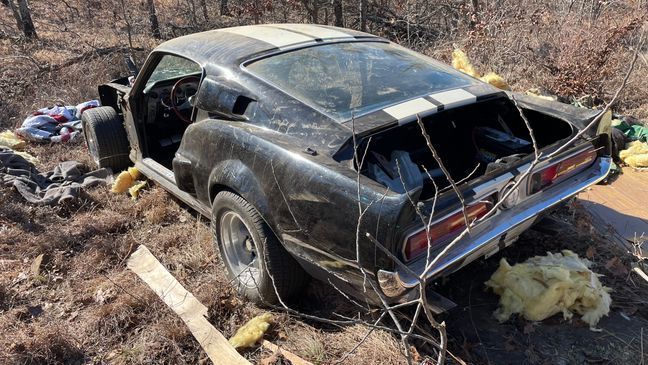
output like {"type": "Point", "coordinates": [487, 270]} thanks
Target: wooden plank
{"type": "Point", "coordinates": [190, 310]}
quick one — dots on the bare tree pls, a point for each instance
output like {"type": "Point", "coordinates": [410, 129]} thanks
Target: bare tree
{"type": "Point", "coordinates": [155, 25]}
{"type": "Point", "coordinates": [312, 6]}
{"type": "Point", "coordinates": [22, 14]}
{"type": "Point", "coordinates": [224, 10]}
{"type": "Point", "coordinates": [129, 26]}
{"type": "Point", "coordinates": [203, 5]}
{"type": "Point", "coordinates": [337, 11]}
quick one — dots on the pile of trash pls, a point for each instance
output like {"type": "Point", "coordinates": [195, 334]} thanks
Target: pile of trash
{"type": "Point", "coordinates": [55, 124]}
{"type": "Point", "coordinates": [546, 285]}
{"type": "Point", "coordinates": [635, 134]}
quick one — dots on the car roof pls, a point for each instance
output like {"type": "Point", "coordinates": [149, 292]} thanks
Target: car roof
{"type": "Point", "coordinates": [234, 45]}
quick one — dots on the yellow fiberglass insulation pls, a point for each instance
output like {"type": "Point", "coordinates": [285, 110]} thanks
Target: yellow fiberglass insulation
{"type": "Point", "coordinates": [252, 331]}
{"type": "Point", "coordinates": [135, 189]}
{"type": "Point", "coordinates": [495, 80]}
{"type": "Point", "coordinates": [546, 285]}
{"type": "Point", "coordinates": [125, 180]}
{"type": "Point", "coordinates": [461, 62]}
{"type": "Point", "coordinates": [635, 154]}
{"type": "Point", "coordinates": [9, 139]}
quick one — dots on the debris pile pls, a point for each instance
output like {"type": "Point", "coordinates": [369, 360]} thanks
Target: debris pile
{"type": "Point", "coordinates": [54, 124]}
{"type": "Point", "coordinates": [546, 285]}
{"type": "Point", "coordinates": [635, 154]}
{"type": "Point", "coordinates": [636, 150]}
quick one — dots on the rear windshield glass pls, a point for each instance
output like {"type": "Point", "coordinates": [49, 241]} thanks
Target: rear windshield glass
{"type": "Point", "coordinates": [350, 79]}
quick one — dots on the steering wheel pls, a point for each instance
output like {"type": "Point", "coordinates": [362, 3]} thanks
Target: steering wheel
{"type": "Point", "coordinates": [173, 96]}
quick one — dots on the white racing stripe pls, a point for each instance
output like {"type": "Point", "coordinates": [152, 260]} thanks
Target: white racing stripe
{"type": "Point", "coordinates": [277, 37]}
{"type": "Point", "coordinates": [407, 111]}
{"type": "Point", "coordinates": [454, 98]}
{"type": "Point", "coordinates": [315, 31]}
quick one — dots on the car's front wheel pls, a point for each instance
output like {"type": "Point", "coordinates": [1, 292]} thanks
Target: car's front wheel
{"type": "Point", "coordinates": [256, 262]}
{"type": "Point", "coordinates": [106, 138]}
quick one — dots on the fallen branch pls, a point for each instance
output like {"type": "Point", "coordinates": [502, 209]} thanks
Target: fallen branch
{"type": "Point", "coordinates": [86, 56]}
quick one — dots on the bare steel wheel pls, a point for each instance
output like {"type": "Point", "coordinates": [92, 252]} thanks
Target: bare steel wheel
{"type": "Point", "coordinates": [239, 248]}
{"type": "Point", "coordinates": [256, 262]}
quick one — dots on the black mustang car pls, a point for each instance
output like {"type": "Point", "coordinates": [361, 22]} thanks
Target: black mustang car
{"type": "Point", "coordinates": [257, 128]}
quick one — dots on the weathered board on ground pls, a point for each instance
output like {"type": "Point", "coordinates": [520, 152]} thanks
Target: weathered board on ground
{"type": "Point", "coordinates": [192, 312]}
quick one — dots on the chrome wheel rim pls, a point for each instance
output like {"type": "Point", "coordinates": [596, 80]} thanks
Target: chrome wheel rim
{"type": "Point", "coordinates": [239, 249]}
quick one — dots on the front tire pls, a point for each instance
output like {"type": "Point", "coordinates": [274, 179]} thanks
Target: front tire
{"type": "Point", "coordinates": [106, 138]}
{"type": "Point", "coordinates": [256, 262]}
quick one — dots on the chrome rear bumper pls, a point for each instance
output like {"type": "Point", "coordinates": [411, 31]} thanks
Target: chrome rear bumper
{"type": "Point", "coordinates": [497, 232]}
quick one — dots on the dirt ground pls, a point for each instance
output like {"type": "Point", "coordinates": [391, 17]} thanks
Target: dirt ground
{"type": "Point", "coordinates": [620, 337]}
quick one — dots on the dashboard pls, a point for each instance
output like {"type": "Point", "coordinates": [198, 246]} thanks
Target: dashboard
{"type": "Point", "coordinates": [158, 98]}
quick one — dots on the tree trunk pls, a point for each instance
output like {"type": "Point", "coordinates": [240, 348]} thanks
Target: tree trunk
{"type": "Point", "coordinates": [25, 14]}
{"type": "Point", "coordinates": [203, 5]}
{"type": "Point", "coordinates": [155, 25]}
{"type": "Point", "coordinates": [223, 8]}
{"type": "Point", "coordinates": [363, 15]}
{"type": "Point", "coordinates": [473, 21]}
{"type": "Point", "coordinates": [337, 10]}
{"type": "Point", "coordinates": [129, 27]}
{"type": "Point", "coordinates": [16, 14]}
{"type": "Point", "coordinates": [315, 12]}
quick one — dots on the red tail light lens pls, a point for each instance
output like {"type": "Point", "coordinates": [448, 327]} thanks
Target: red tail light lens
{"type": "Point", "coordinates": [442, 231]}
{"type": "Point", "coordinates": [563, 169]}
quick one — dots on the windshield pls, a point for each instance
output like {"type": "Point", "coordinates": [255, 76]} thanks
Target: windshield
{"type": "Point", "coordinates": [350, 79]}
{"type": "Point", "coordinates": [172, 67]}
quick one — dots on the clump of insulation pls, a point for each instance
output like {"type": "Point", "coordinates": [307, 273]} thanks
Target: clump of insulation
{"type": "Point", "coordinates": [461, 62]}
{"type": "Point", "coordinates": [128, 181]}
{"type": "Point", "coordinates": [252, 331]}
{"type": "Point", "coordinates": [546, 285]}
{"type": "Point", "coordinates": [635, 154]}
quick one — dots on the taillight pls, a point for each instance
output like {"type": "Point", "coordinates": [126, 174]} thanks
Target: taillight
{"type": "Point", "coordinates": [562, 169]}
{"type": "Point", "coordinates": [443, 231]}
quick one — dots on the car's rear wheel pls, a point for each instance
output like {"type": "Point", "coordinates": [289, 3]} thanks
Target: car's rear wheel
{"type": "Point", "coordinates": [256, 262]}
{"type": "Point", "coordinates": [106, 138]}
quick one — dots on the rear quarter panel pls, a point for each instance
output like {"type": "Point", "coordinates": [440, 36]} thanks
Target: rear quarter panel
{"type": "Point", "coordinates": [310, 202]}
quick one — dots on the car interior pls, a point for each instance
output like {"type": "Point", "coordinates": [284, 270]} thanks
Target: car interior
{"type": "Point", "coordinates": [168, 109]}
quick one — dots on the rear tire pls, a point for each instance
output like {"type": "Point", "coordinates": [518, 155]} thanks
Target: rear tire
{"type": "Point", "coordinates": [106, 138]}
{"type": "Point", "coordinates": [253, 256]}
